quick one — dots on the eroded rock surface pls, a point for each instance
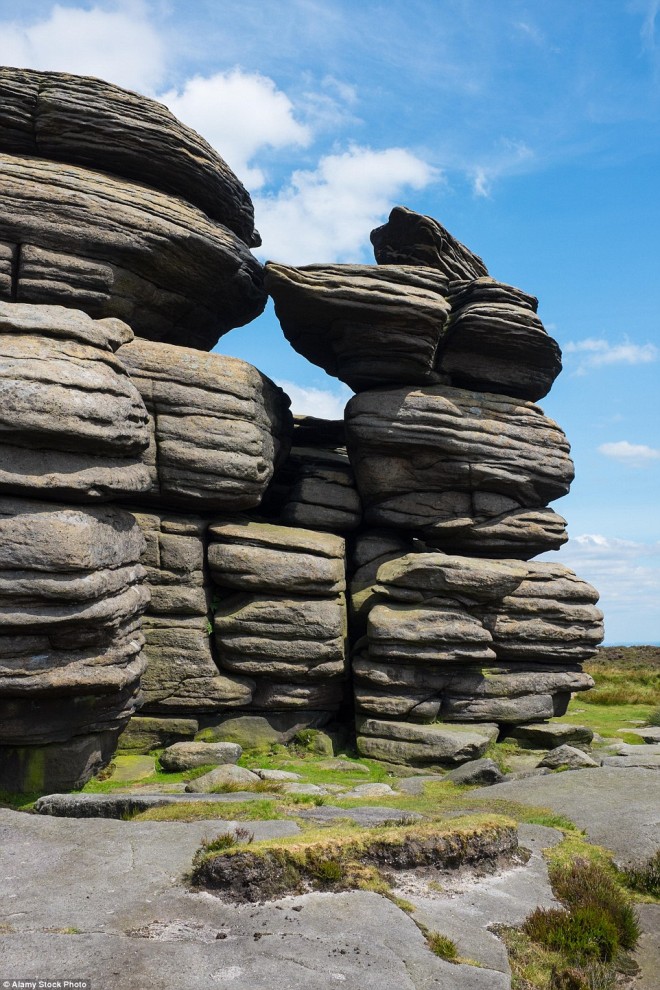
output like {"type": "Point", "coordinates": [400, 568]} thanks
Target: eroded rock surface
{"type": "Point", "coordinates": [71, 596]}
{"type": "Point", "coordinates": [365, 324]}
{"type": "Point", "coordinates": [218, 426]}
{"type": "Point", "coordinates": [80, 120]}
{"type": "Point", "coordinates": [72, 423]}
{"type": "Point", "coordinates": [281, 612]}
{"type": "Point", "coordinates": [466, 470]}
{"type": "Point", "coordinates": [448, 639]}
{"type": "Point", "coordinates": [112, 247]}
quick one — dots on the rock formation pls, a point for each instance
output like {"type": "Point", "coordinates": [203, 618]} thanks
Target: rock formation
{"type": "Point", "coordinates": [108, 204]}
{"type": "Point", "coordinates": [218, 426]}
{"type": "Point", "coordinates": [248, 574]}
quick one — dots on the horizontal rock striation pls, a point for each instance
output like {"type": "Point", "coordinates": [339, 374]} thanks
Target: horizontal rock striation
{"type": "Point", "coordinates": [111, 247]}
{"type": "Point", "coordinates": [281, 613]}
{"type": "Point", "coordinates": [72, 423]}
{"type": "Point", "coordinates": [447, 639]}
{"type": "Point", "coordinates": [459, 467]}
{"type": "Point", "coordinates": [366, 325]}
{"type": "Point", "coordinates": [218, 426]}
{"type": "Point", "coordinates": [71, 597]}
{"type": "Point", "coordinates": [315, 486]}
{"type": "Point", "coordinates": [181, 676]}
{"type": "Point", "coordinates": [79, 120]}
{"type": "Point", "coordinates": [495, 342]}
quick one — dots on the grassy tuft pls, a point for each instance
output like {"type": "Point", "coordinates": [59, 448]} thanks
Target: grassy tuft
{"type": "Point", "coordinates": [578, 935]}
{"type": "Point", "coordinates": [643, 876]}
{"type": "Point", "coordinates": [442, 946]}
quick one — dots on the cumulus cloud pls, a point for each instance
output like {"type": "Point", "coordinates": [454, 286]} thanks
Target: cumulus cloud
{"type": "Point", "coordinates": [240, 114]}
{"type": "Point", "coordinates": [326, 214]}
{"type": "Point", "coordinates": [627, 575]}
{"type": "Point", "coordinates": [118, 45]}
{"type": "Point", "coordinates": [595, 352]}
{"type": "Point", "coordinates": [324, 403]}
{"type": "Point", "coordinates": [632, 454]}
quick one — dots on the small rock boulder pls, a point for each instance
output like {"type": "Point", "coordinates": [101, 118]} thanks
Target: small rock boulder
{"type": "Point", "coordinates": [189, 755]}
{"type": "Point", "coordinates": [277, 775]}
{"type": "Point", "coordinates": [552, 734]}
{"type": "Point", "coordinates": [483, 771]}
{"type": "Point", "coordinates": [370, 791]}
{"type": "Point", "coordinates": [223, 776]}
{"type": "Point", "coordinates": [569, 757]}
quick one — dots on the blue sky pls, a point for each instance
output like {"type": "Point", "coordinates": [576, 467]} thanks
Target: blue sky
{"type": "Point", "coordinates": [530, 130]}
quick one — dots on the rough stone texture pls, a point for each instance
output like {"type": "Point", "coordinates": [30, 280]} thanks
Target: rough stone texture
{"type": "Point", "coordinates": [495, 342]}
{"type": "Point", "coordinates": [221, 777]}
{"type": "Point", "coordinates": [552, 734]}
{"type": "Point", "coordinates": [408, 238]}
{"type": "Point", "coordinates": [218, 426]}
{"type": "Point", "coordinates": [423, 745]}
{"type": "Point", "coordinates": [72, 424]}
{"type": "Point", "coordinates": [111, 247]}
{"type": "Point", "coordinates": [84, 121]}
{"type": "Point", "coordinates": [144, 733]}
{"type": "Point", "coordinates": [181, 676]}
{"type": "Point", "coordinates": [315, 486]}
{"type": "Point", "coordinates": [251, 556]}
{"type": "Point", "coordinates": [188, 755]}
{"type": "Point", "coordinates": [262, 730]}
{"type": "Point", "coordinates": [281, 612]}
{"type": "Point", "coordinates": [71, 595]}
{"type": "Point", "coordinates": [482, 771]}
{"type": "Point", "coordinates": [121, 884]}
{"type": "Point", "coordinates": [365, 324]}
{"type": "Point", "coordinates": [455, 639]}
{"type": "Point", "coordinates": [467, 471]}
{"type": "Point", "coordinates": [569, 757]}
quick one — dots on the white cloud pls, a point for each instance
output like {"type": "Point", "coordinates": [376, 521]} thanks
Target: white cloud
{"type": "Point", "coordinates": [627, 575]}
{"type": "Point", "coordinates": [240, 114]}
{"type": "Point", "coordinates": [595, 352]}
{"type": "Point", "coordinates": [508, 158]}
{"type": "Point", "coordinates": [632, 454]}
{"type": "Point", "coordinates": [326, 214]}
{"type": "Point", "coordinates": [119, 45]}
{"type": "Point", "coordinates": [324, 403]}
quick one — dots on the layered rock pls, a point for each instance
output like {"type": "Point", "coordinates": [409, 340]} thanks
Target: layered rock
{"type": "Point", "coordinates": [80, 120]}
{"type": "Point", "coordinates": [71, 596]}
{"type": "Point", "coordinates": [496, 343]}
{"type": "Point", "coordinates": [181, 676]}
{"type": "Point", "coordinates": [408, 238]}
{"type": "Point", "coordinates": [366, 325]}
{"type": "Point", "coordinates": [72, 423]}
{"type": "Point", "coordinates": [281, 614]}
{"type": "Point", "coordinates": [112, 247]}
{"type": "Point", "coordinates": [218, 426]}
{"type": "Point", "coordinates": [460, 639]}
{"type": "Point", "coordinates": [315, 486]}
{"type": "Point", "coordinates": [468, 471]}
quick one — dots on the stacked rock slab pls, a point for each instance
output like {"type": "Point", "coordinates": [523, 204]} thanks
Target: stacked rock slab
{"type": "Point", "coordinates": [455, 467]}
{"type": "Point", "coordinates": [108, 204]}
{"type": "Point", "coordinates": [73, 428]}
{"type": "Point", "coordinates": [280, 614]}
{"type": "Point", "coordinates": [315, 485]}
{"type": "Point", "coordinates": [112, 210]}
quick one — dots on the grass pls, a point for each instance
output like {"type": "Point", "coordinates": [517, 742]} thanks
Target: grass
{"type": "Point", "coordinates": [347, 858]}
{"type": "Point", "coordinates": [442, 946]}
{"type": "Point", "coordinates": [583, 944]}
{"type": "Point", "coordinates": [607, 719]}
{"type": "Point", "coordinates": [643, 877]}
{"type": "Point", "coordinates": [629, 683]}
